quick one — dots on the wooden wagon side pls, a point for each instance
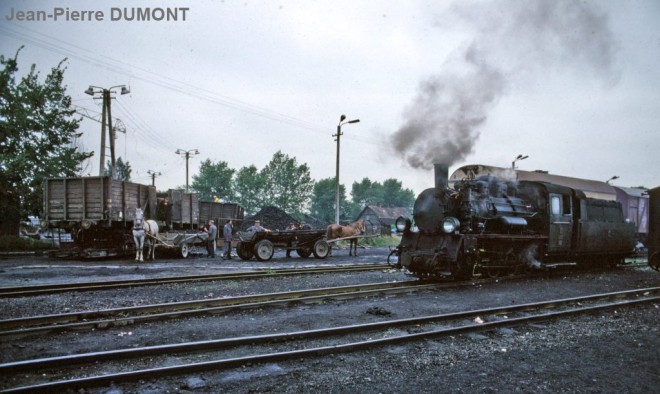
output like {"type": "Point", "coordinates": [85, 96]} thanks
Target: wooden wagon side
{"type": "Point", "coordinates": [98, 211]}
{"type": "Point", "coordinates": [70, 201]}
{"type": "Point", "coordinates": [220, 212]}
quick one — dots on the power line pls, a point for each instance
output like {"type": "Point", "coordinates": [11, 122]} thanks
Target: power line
{"type": "Point", "coordinates": [157, 79]}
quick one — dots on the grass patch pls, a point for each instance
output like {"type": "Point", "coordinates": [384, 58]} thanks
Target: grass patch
{"type": "Point", "coordinates": [383, 240]}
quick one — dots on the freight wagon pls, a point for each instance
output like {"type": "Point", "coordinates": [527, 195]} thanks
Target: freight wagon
{"type": "Point", "coordinates": [97, 211]}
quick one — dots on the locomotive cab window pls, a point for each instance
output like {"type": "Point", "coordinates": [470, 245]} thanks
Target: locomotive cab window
{"type": "Point", "coordinates": [560, 204]}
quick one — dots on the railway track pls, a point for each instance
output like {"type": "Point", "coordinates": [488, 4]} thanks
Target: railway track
{"type": "Point", "coordinates": [26, 291]}
{"type": "Point", "coordinates": [313, 343]}
{"type": "Point", "coordinates": [117, 317]}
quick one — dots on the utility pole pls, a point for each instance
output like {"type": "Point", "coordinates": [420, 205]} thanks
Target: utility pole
{"type": "Point", "coordinates": [342, 120]}
{"type": "Point", "coordinates": [187, 154]}
{"type": "Point", "coordinates": [106, 115]}
{"type": "Point", "coordinates": [153, 176]}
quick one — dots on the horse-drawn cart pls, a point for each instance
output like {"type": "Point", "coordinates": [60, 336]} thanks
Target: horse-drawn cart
{"type": "Point", "coordinates": [184, 242]}
{"type": "Point", "coordinates": [262, 244]}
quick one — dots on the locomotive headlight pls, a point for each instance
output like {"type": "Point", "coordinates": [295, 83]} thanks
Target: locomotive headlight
{"type": "Point", "coordinates": [402, 224]}
{"type": "Point", "coordinates": [450, 224]}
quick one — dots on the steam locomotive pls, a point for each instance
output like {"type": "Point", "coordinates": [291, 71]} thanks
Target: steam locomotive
{"type": "Point", "coordinates": [491, 226]}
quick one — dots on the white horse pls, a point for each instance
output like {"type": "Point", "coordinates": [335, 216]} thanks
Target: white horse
{"type": "Point", "coordinates": [144, 229]}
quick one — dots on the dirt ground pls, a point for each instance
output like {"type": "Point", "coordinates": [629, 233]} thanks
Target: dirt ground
{"type": "Point", "coordinates": [608, 352]}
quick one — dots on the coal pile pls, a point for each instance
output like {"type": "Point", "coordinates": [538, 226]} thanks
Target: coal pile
{"type": "Point", "coordinates": [272, 218]}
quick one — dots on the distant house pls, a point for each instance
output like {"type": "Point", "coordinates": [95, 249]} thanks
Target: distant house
{"type": "Point", "coordinates": [381, 219]}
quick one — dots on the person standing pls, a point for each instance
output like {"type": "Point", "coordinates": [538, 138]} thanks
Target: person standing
{"type": "Point", "coordinates": [227, 231]}
{"type": "Point", "coordinates": [291, 228]}
{"type": "Point", "coordinates": [210, 241]}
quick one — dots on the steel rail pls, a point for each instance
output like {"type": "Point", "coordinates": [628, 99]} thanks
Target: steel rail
{"type": "Point", "coordinates": [122, 317]}
{"type": "Point", "coordinates": [643, 296]}
{"type": "Point", "coordinates": [22, 291]}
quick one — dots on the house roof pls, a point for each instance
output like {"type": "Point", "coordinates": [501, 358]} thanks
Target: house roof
{"type": "Point", "coordinates": [386, 215]}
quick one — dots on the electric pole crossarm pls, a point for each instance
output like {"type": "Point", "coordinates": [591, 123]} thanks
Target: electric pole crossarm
{"type": "Point", "coordinates": [117, 124]}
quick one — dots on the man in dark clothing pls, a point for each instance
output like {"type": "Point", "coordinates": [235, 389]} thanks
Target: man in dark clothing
{"type": "Point", "coordinates": [227, 231]}
{"type": "Point", "coordinates": [291, 228]}
{"type": "Point", "coordinates": [164, 213]}
{"type": "Point", "coordinates": [210, 241]}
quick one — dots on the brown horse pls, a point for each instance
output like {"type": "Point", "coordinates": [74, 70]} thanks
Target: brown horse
{"type": "Point", "coordinates": [337, 231]}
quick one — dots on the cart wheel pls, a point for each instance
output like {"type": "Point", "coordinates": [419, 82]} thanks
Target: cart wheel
{"type": "Point", "coordinates": [243, 251]}
{"type": "Point", "coordinates": [321, 249]}
{"type": "Point", "coordinates": [264, 250]}
{"type": "Point", "coordinates": [304, 252]}
{"type": "Point", "coordinates": [184, 251]}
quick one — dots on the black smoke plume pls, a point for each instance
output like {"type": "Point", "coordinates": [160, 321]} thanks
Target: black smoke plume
{"type": "Point", "coordinates": [513, 41]}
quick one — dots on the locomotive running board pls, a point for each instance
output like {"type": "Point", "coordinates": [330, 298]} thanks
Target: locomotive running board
{"type": "Point", "coordinates": [557, 265]}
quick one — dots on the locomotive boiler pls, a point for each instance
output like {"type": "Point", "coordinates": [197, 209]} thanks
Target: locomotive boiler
{"type": "Point", "coordinates": [492, 226]}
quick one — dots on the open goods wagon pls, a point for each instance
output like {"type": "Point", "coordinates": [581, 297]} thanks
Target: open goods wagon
{"type": "Point", "coordinates": [183, 216]}
{"type": "Point", "coordinates": [97, 211]}
{"type": "Point", "coordinates": [262, 244]}
{"type": "Point", "coordinates": [220, 213]}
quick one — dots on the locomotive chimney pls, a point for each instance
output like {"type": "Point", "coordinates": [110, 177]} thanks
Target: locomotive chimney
{"type": "Point", "coordinates": [441, 176]}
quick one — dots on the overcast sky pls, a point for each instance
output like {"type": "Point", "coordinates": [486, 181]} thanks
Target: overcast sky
{"type": "Point", "coordinates": [575, 85]}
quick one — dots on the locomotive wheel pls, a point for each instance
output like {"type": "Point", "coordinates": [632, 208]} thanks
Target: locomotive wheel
{"type": "Point", "coordinates": [264, 250]}
{"type": "Point", "coordinates": [304, 252]}
{"type": "Point", "coordinates": [491, 272]}
{"type": "Point", "coordinates": [654, 261]}
{"type": "Point", "coordinates": [244, 251]}
{"type": "Point", "coordinates": [321, 249]}
{"type": "Point", "coordinates": [185, 251]}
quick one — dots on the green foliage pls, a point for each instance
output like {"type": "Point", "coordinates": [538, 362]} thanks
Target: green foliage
{"type": "Point", "coordinates": [323, 200]}
{"type": "Point", "coordinates": [37, 131]}
{"type": "Point", "coordinates": [122, 172]}
{"type": "Point", "coordinates": [388, 194]}
{"type": "Point", "coordinates": [367, 192]}
{"type": "Point", "coordinates": [394, 195]}
{"type": "Point", "coordinates": [287, 185]}
{"type": "Point", "coordinates": [248, 189]}
{"type": "Point", "coordinates": [214, 180]}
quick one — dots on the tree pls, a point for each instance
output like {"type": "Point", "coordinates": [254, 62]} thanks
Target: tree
{"type": "Point", "coordinates": [248, 189]}
{"type": "Point", "coordinates": [394, 195]}
{"type": "Point", "coordinates": [287, 185]}
{"type": "Point", "coordinates": [214, 180]}
{"type": "Point", "coordinates": [367, 193]}
{"type": "Point", "coordinates": [322, 204]}
{"type": "Point", "coordinates": [37, 131]}
{"type": "Point", "coordinates": [389, 194]}
{"type": "Point", "coordinates": [122, 172]}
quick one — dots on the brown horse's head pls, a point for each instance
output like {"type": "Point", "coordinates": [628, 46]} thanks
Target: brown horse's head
{"type": "Point", "coordinates": [359, 226]}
